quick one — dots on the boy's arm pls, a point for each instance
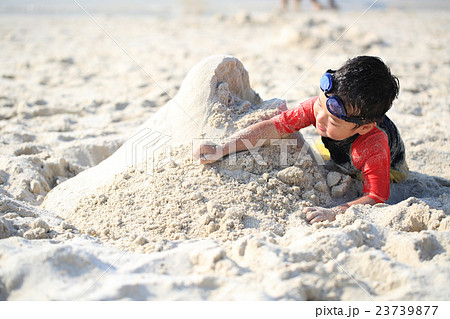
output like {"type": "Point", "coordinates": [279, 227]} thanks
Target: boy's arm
{"type": "Point", "coordinates": [280, 126]}
{"type": "Point", "coordinates": [375, 167]}
{"type": "Point", "coordinates": [255, 135]}
{"type": "Point", "coordinates": [318, 214]}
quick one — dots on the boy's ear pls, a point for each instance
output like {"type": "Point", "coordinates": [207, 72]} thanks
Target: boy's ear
{"type": "Point", "coordinates": [365, 128]}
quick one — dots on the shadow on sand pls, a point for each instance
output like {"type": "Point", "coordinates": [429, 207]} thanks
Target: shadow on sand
{"type": "Point", "coordinates": [433, 190]}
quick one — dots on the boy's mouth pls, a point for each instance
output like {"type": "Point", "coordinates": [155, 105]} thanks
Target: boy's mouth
{"type": "Point", "coordinates": [321, 128]}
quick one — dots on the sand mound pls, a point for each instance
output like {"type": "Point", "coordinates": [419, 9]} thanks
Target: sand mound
{"type": "Point", "coordinates": [172, 198]}
{"type": "Point", "coordinates": [211, 90]}
{"type": "Point", "coordinates": [184, 200]}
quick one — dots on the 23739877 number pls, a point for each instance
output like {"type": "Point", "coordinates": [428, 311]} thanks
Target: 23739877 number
{"type": "Point", "coordinates": [406, 311]}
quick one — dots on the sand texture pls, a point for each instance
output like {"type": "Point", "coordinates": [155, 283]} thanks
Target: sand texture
{"type": "Point", "coordinates": [100, 198]}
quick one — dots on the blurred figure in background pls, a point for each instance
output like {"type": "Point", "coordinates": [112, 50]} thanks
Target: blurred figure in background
{"type": "Point", "coordinates": [196, 7]}
{"type": "Point", "coordinates": [316, 5]}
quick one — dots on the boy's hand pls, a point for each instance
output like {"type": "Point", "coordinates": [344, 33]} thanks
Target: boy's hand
{"type": "Point", "coordinates": [319, 214]}
{"type": "Point", "coordinates": [207, 153]}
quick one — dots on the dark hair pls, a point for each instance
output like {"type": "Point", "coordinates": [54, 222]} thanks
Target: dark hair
{"type": "Point", "coordinates": [367, 87]}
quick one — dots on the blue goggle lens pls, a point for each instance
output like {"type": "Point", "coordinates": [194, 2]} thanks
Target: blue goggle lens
{"type": "Point", "coordinates": [336, 107]}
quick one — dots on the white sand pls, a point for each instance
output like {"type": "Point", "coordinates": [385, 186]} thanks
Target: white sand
{"type": "Point", "coordinates": [176, 230]}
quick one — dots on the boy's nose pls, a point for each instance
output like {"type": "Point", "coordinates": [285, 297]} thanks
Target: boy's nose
{"type": "Point", "coordinates": [320, 116]}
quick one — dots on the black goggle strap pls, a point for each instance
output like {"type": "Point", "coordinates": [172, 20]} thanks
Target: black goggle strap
{"type": "Point", "coordinates": [340, 111]}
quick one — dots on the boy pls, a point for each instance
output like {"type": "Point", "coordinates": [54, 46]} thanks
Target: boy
{"type": "Point", "coordinates": [349, 115]}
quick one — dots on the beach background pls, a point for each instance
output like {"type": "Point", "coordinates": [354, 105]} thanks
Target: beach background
{"type": "Point", "coordinates": [78, 80]}
{"type": "Point", "coordinates": [177, 8]}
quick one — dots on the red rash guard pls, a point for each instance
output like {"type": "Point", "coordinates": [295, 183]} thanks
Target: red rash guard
{"type": "Point", "coordinates": [368, 153]}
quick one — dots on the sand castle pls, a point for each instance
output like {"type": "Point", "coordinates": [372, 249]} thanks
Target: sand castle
{"type": "Point", "coordinates": [188, 110]}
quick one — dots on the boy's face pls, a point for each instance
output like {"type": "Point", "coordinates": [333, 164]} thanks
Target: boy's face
{"type": "Point", "coordinates": [328, 125]}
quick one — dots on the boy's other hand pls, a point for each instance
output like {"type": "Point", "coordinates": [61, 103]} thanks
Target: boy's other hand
{"type": "Point", "coordinates": [319, 214]}
{"type": "Point", "coordinates": [207, 153]}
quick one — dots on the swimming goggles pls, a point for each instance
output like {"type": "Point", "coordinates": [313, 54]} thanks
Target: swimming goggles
{"type": "Point", "coordinates": [334, 104]}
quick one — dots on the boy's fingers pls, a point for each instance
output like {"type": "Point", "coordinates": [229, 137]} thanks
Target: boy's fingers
{"type": "Point", "coordinates": [203, 149]}
{"type": "Point", "coordinates": [205, 154]}
{"type": "Point", "coordinates": [317, 219]}
{"type": "Point", "coordinates": [199, 152]}
{"type": "Point", "coordinates": [310, 209]}
{"type": "Point", "coordinates": [310, 215]}
{"type": "Point", "coordinates": [207, 158]}
{"type": "Point", "coordinates": [202, 159]}
{"type": "Point", "coordinates": [210, 158]}
{"type": "Point", "coordinates": [196, 153]}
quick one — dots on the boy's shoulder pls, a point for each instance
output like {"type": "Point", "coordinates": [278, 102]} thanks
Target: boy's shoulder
{"type": "Point", "coordinates": [372, 139]}
{"type": "Point", "coordinates": [374, 143]}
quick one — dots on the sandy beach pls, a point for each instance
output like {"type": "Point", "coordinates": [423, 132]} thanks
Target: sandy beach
{"type": "Point", "coordinates": [100, 198]}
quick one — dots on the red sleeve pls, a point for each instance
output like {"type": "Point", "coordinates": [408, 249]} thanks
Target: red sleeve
{"type": "Point", "coordinates": [370, 154]}
{"type": "Point", "coordinates": [293, 120]}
